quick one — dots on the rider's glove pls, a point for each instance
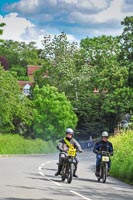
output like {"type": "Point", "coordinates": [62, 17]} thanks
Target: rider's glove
{"type": "Point", "coordinates": [98, 152]}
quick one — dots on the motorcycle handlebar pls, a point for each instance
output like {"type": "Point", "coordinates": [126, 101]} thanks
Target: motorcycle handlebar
{"type": "Point", "coordinates": [105, 153]}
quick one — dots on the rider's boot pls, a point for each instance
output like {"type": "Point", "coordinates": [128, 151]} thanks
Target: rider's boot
{"type": "Point", "coordinates": [97, 173]}
{"type": "Point", "coordinates": [75, 175]}
{"type": "Point", "coordinates": [108, 174]}
{"type": "Point", "coordinates": [74, 172]}
{"type": "Point", "coordinates": [59, 170]}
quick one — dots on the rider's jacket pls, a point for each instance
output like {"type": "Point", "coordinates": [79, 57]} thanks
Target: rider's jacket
{"type": "Point", "coordinates": [62, 146]}
{"type": "Point", "coordinates": [103, 146]}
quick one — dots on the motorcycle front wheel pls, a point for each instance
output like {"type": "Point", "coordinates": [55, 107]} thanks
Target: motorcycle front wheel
{"type": "Point", "coordinates": [63, 173]}
{"type": "Point", "coordinates": [104, 173]}
{"type": "Point", "coordinates": [70, 173]}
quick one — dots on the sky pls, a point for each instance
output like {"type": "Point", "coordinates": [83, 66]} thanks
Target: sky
{"type": "Point", "coordinates": [30, 20]}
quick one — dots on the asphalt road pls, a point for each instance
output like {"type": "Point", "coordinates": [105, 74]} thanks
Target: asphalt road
{"type": "Point", "coordinates": [32, 177]}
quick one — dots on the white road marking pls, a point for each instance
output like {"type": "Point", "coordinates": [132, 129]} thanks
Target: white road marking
{"type": "Point", "coordinates": [76, 193]}
{"type": "Point", "coordinates": [42, 174]}
{"type": "Point", "coordinates": [58, 184]}
{"type": "Point", "coordinates": [39, 168]}
{"type": "Point", "coordinates": [48, 162]}
{"type": "Point", "coordinates": [55, 182]}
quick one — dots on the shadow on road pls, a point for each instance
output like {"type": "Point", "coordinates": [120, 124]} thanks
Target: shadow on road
{"type": "Point", "coordinates": [49, 169]}
{"type": "Point", "coordinates": [41, 178]}
{"type": "Point", "coordinates": [46, 179]}
{"type": "Point", "coordinates": [25, 187]}
{"type": "Point", "coordinates": [23, 199]}
{"type": "Point", "coordinates": [86, 179]}
{"type": "Point", "coordinates": [58, 179]}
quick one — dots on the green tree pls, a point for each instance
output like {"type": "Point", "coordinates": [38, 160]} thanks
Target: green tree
{"type": "Point", "coordinates": [110, 78]}
{"type": "Point", "coordinates": [61, 55]}
{"type": "Point", "coordinates": [98, 50]}
{"type": "Point", "coordinates": [19, 55]}
{"type": "Point", "coordinates": [77, 71]}
{"type": "Point", "coordinates": [120, 101]}
{"type": "Point", "coordinates": [99, 61]}
{"type": "Point", "coordinates": [14, 109]}
{"type": "Point", "coordinates": [52, 113]}
{"type": "Point", "coordinates": [126, 39]}
{"type": "Point", "coordinates": [126, 54]}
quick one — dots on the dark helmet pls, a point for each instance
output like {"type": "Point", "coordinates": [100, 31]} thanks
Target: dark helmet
{"type": "Point", "coordinates": [70, 131]}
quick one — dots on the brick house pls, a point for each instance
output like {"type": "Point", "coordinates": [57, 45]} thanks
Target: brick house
{"type": "Point", "coordinates": [26, 85]}
{"type": "Point", "coordinates": [31, 69]}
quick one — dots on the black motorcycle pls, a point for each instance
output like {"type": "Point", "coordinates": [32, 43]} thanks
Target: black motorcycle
{"type": "Point", "coordinates": [68, 165]}
{"type": "Point", "coordinates": [104, 166]}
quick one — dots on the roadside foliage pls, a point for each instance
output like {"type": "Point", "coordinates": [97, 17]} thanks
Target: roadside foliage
{"type": "Point", "coordinates": [122, 161]}
{"type": "Point", "coordinates": [52, 113]}
{"type": "Point", "coordinates": [14, 108]}
{"type": "Point", "coordinates": [15, 144]}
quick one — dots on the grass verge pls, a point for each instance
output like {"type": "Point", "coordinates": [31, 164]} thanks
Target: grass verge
{"type": "Point", "coordinates": [15, 144]}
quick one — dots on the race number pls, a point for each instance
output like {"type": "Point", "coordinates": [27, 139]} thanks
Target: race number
{"type": "Point", "coordinates": [72, 152]}
{"type": "Point", "coordinates": [105, 158]}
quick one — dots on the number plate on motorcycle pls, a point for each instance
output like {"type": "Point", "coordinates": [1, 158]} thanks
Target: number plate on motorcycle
{"type": "Point", "coordinates": [71, 152]}
{"type": "Point", "coordinates": [105, 158]}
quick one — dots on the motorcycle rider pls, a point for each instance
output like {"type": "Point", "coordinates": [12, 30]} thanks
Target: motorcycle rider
{"type": "Point", "coordinates": [102, 145]}
{"type": "Point", "coordinates": [63, 148]}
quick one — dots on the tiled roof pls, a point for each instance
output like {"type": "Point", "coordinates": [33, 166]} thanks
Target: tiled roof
{"type": "Point", "coordinates": [31, 69]}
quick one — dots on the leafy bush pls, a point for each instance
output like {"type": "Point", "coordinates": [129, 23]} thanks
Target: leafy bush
{"type": "Point", "coordinates": [122, 163]}
{"type": "Point", "coordinates": [52, 113]}
{"type": "Point", "coordinates": [15, 144]}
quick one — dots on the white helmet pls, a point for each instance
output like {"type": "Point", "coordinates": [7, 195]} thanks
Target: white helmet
{"type": "Point", "coordinates": [69, 130]}
{"type": "Point", "coordinates": [105, 134]}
